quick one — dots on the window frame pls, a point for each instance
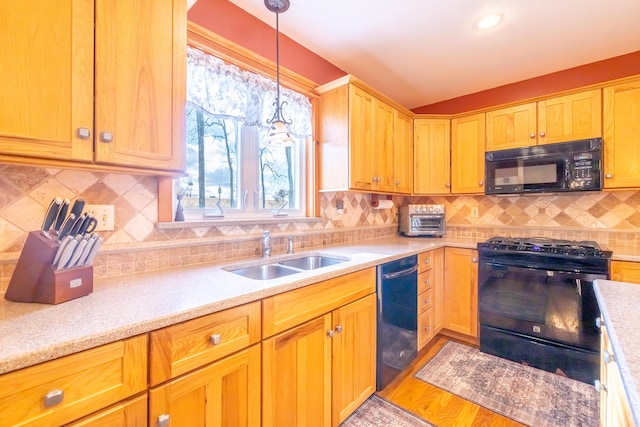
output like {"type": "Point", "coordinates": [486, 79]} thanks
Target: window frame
{"type": "Point", "coordinates": [213, 44]}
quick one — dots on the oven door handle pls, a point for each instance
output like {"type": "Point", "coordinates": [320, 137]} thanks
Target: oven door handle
{"type": "Point", "coordinates": [401, 273]}
{"type": "Point", "coordinates": [571, 274]}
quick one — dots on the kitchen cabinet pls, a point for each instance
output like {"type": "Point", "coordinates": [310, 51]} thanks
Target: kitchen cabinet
{"type": "Point", "coordinates": [129, 413]}
{"type": "Point", "coordinates": [220, 355]}
{"type": "Point", "coordinates": [133, 66]}
{"type": "Point", "coordinates": [625, 271]}
{"type": "Point", "coordinates": [563, 118]}
{"type": "Point", "coordinates": [460, 299]}
{"type": "Point", "coordinates": [71, 387]}
{"type": "Point", "coordinates": [467, 154]}
{"type": "Point", "coordinates": [318, 351]}
{"type": "Point", "coordinates": [432, 156]}
{"type": "Point", "coordinates": [621, 135]}
{"type": "Point", "coordinates": [614, 405]}
{"type": "Point", "coordinates": [224, 393]}
{"type": "Point", "coordinates": [403, 154]}
{"type": "Point", "coordinates": [358, 139]}
{"type": "Point", "coordinates": [430, 288]}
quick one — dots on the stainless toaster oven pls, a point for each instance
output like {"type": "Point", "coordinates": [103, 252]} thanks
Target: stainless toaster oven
{"type": "Point", "coordinates": [422, 220]}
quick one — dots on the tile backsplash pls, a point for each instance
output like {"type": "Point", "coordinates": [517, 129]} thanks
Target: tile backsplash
{"type": "Point", "coordinates": [139, 244]}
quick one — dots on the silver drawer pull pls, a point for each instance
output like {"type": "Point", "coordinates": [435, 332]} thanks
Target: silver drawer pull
{"type": "Point", "coordinates": [53, 398]}
{"type": "Point", "coordinates": [339, 328]}
{"type": "Point", "coordinates": [84, 133]}
{"type": "Point", "coordinates": [106, 137]}
{"type": "Point", "coordinates": [426, 281]}
{"type": "Point", "coordinates": [163, 420]}
{"type": "Point", "coordinates": [607, 357]}
{"type": "Point", "coordinates": [216, 339]}
{"type": "Point", "coordinates": [426, 301]}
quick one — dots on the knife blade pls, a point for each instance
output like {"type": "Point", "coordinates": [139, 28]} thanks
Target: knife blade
{"type": "Point", "coordinates": [94, 251]}
{"type": "Point", "coordinates": [50, 216]}
{"type": "Point", "coordinates": [66, 227]}
{"type": "Point", "coordinates": [87, 249]}
{"type": "Point", "coordinates": [67, 252]}
{"type": "Point", "coordinates": [77, 251]}
{"type": "Point", "coordinates": [77, 224]}
{"type": "Point", "coordinates": [62, 214]}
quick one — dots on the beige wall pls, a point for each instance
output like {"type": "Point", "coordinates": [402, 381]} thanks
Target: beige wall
{"type": "Point", "coordinates": [138, 244]}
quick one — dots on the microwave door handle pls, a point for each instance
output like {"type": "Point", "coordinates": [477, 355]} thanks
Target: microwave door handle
{"type": "Point", "coordinates": [400, 273]}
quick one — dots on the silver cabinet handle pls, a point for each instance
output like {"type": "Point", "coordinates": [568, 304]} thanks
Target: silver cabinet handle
{"type": "Point", "coordinates": [426, 328]}
{"type": "Point", "coordinates": [426, 301]}
{"type": "Point", "coordinates": [53, 398]}
{"type": "Point", "coordinates": [398, 182]}
{"type": "Point", "coordinates": [163, 420]}
{"type": "Point", "coordinates": [481, 183]}
{"type": "Point", "coordinates": [474, 260]}
{"type": "Point", "coordinates": [84, 133]}
{"type": "Point", "coordinates": [330, 333]}
{"type": "Point", "coordinates": [600, 386]}
{"type": "Point", "coordinates": [338, 328]}
{"type": "Point", "coordinates": [599, 322]}
{"type": "Point", "coordinates": [426, 281]}
{"type": "Point", "coordinates": [447, 185]}
{"type": "Point", "coordinates": [542, 135]}
{"type": "Point", "coordinates": [427, 261]}
{"type": "Point", "coordinates": [216, 339]}
{"type": "Point", "coordinates": [609, 176]}
{"type": "Point", "coordinates": [607, 357]}
{"type": "Point", "coordinates": [106, 136]}
{"type": "Point", "coordinates": [532, 135]}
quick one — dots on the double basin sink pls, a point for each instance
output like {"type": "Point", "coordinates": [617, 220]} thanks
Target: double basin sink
{"type": "Point", "coordinates": [277, 269]}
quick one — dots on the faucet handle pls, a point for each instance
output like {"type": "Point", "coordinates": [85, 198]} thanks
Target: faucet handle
{"type": "Point", "coordinates": [290, 245]}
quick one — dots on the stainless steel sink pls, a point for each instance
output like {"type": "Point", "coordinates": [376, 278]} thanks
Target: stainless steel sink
{"type": "Point", "coordinates": [311, 262]}
{"type": "Point", "coordinates": [265, 272]}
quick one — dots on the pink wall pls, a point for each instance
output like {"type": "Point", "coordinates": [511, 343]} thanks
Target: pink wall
{"type": "Point", "coordinates": [596, 72]}
{"type": "Point", "coordinates": [229, 21]}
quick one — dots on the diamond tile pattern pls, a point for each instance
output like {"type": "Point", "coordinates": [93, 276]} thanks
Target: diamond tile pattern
{"type": "Point", "coordinates": [25, 192]}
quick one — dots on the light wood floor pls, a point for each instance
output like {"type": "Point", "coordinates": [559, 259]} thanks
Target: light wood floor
{"type": "Point", "coordinates": [436, 405]}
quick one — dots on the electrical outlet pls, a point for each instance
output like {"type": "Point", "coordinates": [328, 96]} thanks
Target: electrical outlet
{"type": "Point", "coordinates": [105, 214]}
{"type": "Point", "coordinates": [475, 212]}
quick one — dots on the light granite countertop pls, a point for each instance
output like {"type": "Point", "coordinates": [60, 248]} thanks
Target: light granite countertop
{"type": "Point", "coordinates": [619, 304]}
{"type": "Point", "coordinates": [126, 306]}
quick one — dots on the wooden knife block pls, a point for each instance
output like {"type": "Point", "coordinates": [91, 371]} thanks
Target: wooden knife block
{"type": "Point", "coordinates": [36, 280]}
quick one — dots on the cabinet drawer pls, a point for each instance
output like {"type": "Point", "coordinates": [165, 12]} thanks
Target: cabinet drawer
{"type": "Point", "coordinates": [425, 300]}
{"type": "Point", "coordinates": [286, 310]}
{"type": "Point", "coordinates": [130, 413]}
{"type": "Point", "coordinates": [425, 261]}
{"type": "Point", "coordinates": [425, 281]}
{"type": "Point", "coordinates": [181, 348]}
{"type": "Point", "coordinates": [66, 389]}
{"type": "Point", "coordinates": [425, 328]}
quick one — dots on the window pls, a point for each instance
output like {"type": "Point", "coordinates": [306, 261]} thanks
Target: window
{"type": "Point", "coordinates": [232, 170]}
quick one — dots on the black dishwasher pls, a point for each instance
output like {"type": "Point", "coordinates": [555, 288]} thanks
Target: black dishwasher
{"type": "Point", "coordinates": [397, 318]}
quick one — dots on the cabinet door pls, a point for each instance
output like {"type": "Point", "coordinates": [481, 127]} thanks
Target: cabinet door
{"type": "Point", "coordinates": [511, 127]}
{"type": "Point", "coordinates": [403, 167]}
{"type": "Point", "coordinates": [130, 413]}
{"type": "Point", "coordinates": [354, 356]}
{"type": "Point", "coordinates": [621, 135]}
{"type": "Point", "coordinates": [46, 79]}
{"type": "Point", "coordinates": [625, 271]}
{"type": "Point", "coordinates": [225, 393]}
{"type": "Point", "coordinates": [431, 170]}
{"type": "Point", "coordinates": [570, 117]}
{"type": "Point", "coordinates": [461, 292]}
{"type": "Point", "coordinates": [467, 154]}
{"type": "Point", "coordinates": [296, 376]}
{"type": "Point", "coordinates": [361, 111]}
{"type": "Point", "coordinates": [383, 155]}
{"type": "Point", "coordinates": [140, 73]}
{"type": "Point", "coordinates": [614, 403]}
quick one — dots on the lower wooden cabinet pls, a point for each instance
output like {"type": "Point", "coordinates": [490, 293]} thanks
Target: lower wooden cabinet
{"type": "Point", "coordinates": [460, 299]}
{"type": "Point", "coordinates": [625, 271]}
{"type": "Point", "coordinates": [66, 389]}
{"type": "Point", "coordinates": [430, 295]}
{"type": "Point", "coordinates": [224, 393]}
{"type": "Point", "coordinates": [130, 413]}
{"type": "Point", "coordinates": [614, 405]}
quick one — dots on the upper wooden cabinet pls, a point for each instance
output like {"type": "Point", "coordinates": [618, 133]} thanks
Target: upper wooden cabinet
{"type": "Point", "coordinates": [403, 153]}
{"type": "Point", "coordinates": [359, 140]}
{"type": "Point", "coordinates": [134, 66]}
{"type": "Point", "coordinates": [560, 119]}
{"type": "Point", "coordinates": [622, 135]}
{"type": "Point", "coordinates": [467, 154]}
{"type": "Point", "coordinates": [432, 156]}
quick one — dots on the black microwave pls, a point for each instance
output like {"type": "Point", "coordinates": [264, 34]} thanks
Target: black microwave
{"type": "Point", "coordinates": [548, 168]}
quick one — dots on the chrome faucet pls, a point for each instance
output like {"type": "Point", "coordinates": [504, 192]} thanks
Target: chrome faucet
{"type": "Point", "coordinates": [290, 245]}
{"type": "Point", "coordinates": [266, 244]}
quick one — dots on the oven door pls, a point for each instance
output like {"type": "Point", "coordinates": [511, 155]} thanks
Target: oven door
{"type": "Point", "coordinates": [427, 224]}
{"type": "Point", "coordinates": [557, 306]}
{"type": "Point", "coordinates": [527, 175]}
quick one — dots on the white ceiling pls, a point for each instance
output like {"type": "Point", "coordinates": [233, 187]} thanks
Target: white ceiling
{"type": "Point", "coordinates": [423, 51]}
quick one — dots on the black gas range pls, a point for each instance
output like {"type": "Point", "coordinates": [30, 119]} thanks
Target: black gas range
{"type": "Point", "coordinates": [537, 305]}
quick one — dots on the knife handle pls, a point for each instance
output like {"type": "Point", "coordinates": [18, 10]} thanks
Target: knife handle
{"type": "Point", "coordinates": [66, 227]}
{"type": "Point", "coordinates": [62, 214]}
{"type": "Point", "coordinates": [78, 206]}
{"type": "Point", "coordinates": [50, 216]}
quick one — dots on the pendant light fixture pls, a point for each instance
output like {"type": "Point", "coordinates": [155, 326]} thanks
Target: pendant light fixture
{"type": "Point", "coordinates": [279, 127]}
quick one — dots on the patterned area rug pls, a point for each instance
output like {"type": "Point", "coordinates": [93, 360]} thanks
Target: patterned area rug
{"type": "Point", "coordinates": [525, 394]}
{"type": "Point", "coordinates": [376, 411]}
